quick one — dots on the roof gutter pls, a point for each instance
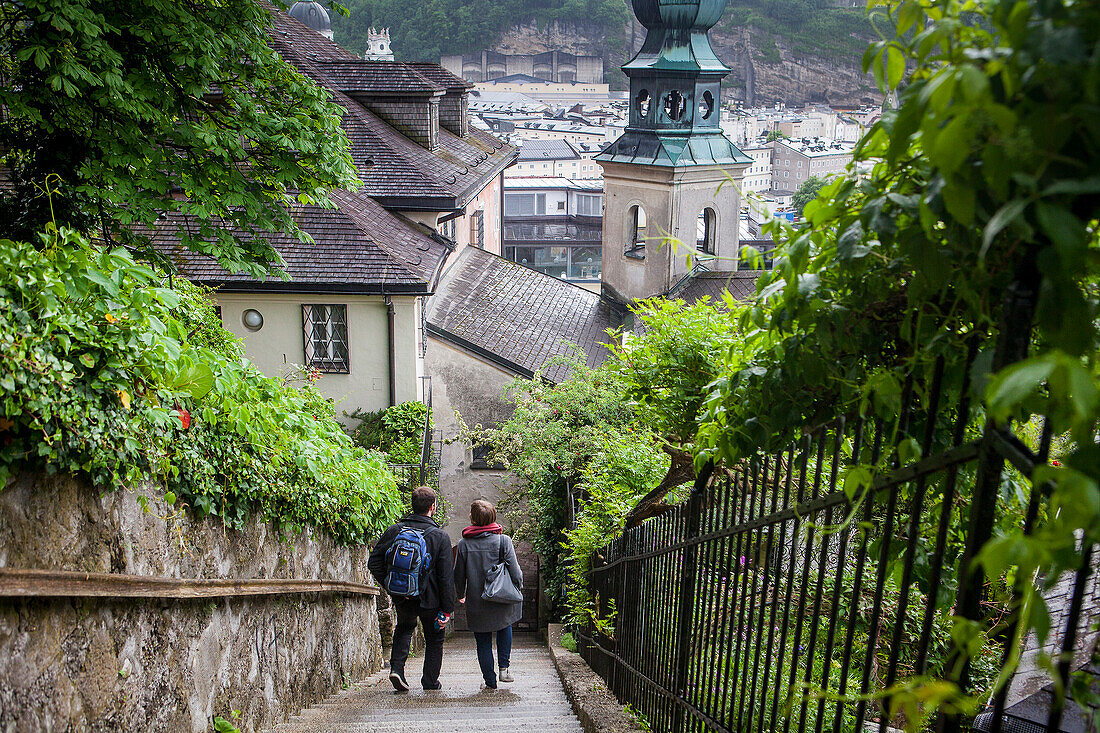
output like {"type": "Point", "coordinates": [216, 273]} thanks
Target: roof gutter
{"type": "Point", "coordinates": [485, 354]}
{"type": "Point", "coordinates": [285, 288]}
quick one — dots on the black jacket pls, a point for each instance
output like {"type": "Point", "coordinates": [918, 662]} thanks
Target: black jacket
{"type": "Point", "coordinates": [439, 588]}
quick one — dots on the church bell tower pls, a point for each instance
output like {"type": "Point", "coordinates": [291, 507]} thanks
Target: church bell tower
{"type": "Point", "coordinates": [672, 175]}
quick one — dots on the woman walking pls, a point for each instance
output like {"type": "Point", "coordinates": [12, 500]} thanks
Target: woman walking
{"type": "Point", "coordinates": [483, 546]}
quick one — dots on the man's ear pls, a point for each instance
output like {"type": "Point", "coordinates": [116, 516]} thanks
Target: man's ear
{"type": "Point", "coordinates": [432, 510]}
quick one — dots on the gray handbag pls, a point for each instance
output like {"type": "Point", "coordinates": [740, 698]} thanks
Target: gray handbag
{"type": "Point", "coordinates": [499, 587]}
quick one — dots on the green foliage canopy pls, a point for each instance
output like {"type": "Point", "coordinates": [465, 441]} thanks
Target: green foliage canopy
{"type": "Point", "coordinates": [977, 194]}
{"type": "Point", "coordinates": [806, 193]}
{"type": "Point", "coordinates": [125, 109]}
{"type": "Point", "coordinates": [107, 373]}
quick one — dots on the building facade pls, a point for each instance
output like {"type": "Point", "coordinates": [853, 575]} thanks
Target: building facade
{"type": "Point", "coordinates": [796, 161]}
{"type": "Point", "coordinates": [555, 159]}
{"type": "Point", "coordinates": [555, 226]}
{"type": "Point", "coordinates": [554, 93]}
{"type": "Point", "coordinates": [351, 308]}
{"type": "Point", "coordinates": [555, 66]}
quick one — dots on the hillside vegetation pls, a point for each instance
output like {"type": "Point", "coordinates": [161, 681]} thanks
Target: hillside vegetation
{"type": "Point", "coordinates": [423, 32]}
{"type": "Point", "coordinates": [814, 27]}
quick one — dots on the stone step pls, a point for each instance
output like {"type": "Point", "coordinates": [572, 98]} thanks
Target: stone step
{"type": "Point", "coordinates": [535, 701]}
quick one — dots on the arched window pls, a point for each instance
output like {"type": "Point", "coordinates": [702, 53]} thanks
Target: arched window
{"type": "Point", "coordinates": [706, 231]}
{"type": "Point", "coordinates": [635, 246]}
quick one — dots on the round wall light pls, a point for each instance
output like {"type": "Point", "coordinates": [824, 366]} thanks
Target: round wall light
{"type": "Point", "coordinates": [253, 320]}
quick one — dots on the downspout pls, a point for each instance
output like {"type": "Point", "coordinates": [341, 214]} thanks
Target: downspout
{"type": "Point", "coordinates": [391, 332]}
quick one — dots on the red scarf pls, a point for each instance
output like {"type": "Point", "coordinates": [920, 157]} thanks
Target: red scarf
{"type": "Point", "coordinates": [475, 530]}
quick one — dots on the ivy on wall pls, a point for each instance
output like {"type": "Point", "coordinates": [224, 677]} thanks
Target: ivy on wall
{"type": "Point", "coordinates": [106, 372]}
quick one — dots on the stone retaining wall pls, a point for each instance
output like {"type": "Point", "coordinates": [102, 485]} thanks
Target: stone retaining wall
{"type": "Point", "coordinates": [169, 664]}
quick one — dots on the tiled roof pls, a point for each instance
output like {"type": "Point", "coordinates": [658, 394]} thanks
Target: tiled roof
{"type": "Point", "coordinates": [379, 77]}
{"type": "Point", "coordinates": [547, 150]}
{"type": "Point", "coordinates": [741, 284]}
{"type": "Point", "coordinates": [517, 317]}
{"type": "Point", "coordinates": [359, 247]}
{"type": "Point", "coordinates": [438, 75]}
{"type": "Point", "coordinates": [394, 169]}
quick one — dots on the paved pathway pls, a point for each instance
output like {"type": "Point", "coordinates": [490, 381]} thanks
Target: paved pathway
{"type": "Point", "coordinates": [535, 701]}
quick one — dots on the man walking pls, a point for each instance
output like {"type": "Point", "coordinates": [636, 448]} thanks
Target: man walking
{"type": "Point", "coordinates": [413, 562]}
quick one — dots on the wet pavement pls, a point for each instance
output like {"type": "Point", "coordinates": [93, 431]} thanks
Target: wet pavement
{"type": "Point", "coordinates": [535, 701]}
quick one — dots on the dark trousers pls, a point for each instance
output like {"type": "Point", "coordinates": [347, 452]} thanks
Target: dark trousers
{"type": "Point", "coordinates": [407, 614]}
{"type": "Point", "coordinates": [484, 641]}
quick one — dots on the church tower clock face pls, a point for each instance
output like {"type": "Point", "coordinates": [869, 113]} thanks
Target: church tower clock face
{"type": "Point", "coordinates": [671, 181]}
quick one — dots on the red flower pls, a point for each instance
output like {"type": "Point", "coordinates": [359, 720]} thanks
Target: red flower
{"type": "Point", "coordinates": [1056, 463]}
{"type": "Point", "coordinates": [185, 418]}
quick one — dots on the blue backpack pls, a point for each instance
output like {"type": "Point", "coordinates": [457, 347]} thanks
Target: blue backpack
{"type": "Point", "coordinates": [409, 560]}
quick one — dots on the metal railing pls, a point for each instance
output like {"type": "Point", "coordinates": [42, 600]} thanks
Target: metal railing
{"type": "Point", "coordinates": [773, 599]}
{"type": "Point", "coordinates": [426, 472]}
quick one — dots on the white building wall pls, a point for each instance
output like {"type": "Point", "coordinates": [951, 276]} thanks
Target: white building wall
{"type": "Point", "coordinates": [279, 346]}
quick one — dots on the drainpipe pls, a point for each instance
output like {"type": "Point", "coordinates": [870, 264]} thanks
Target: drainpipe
{"type": "Point", "coordinates": [391, 323]}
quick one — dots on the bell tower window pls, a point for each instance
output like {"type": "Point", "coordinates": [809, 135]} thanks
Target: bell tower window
{"type": "Point", "coordinates": [674, 105]}
{"type": "Point", "coordinates": [636, 221]}
{"type": "Point", "coordinates": [706, 231]}
{"type": "Point", "coordinates": [706, 105]}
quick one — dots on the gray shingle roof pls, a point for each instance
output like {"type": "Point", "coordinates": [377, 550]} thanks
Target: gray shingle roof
{"type": "Point", "coordinates": [741, 284]}
{"type": "Point", "coordinates": [438, 75]}
{"type": "Point", "coordinates": [378, 77]}
{"type": "Point", "coordinates": [546, 150]}
{"type": "Point", "coordinates": [517, 317]}
{"type": "Point", "coordinates": [359, 247]}
{"type": "Point", "coordinates": [395, 170]}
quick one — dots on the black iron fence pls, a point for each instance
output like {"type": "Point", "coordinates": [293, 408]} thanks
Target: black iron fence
{"type": "Point", "coordinates": [780, 596]}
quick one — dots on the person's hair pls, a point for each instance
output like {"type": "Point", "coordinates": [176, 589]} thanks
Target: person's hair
{"type": "Point", "coordinates": [482, 513]}
{"type": "Point", "coordinates": [422, 499]}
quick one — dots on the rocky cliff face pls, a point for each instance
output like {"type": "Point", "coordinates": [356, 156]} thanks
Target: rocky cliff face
{"type": "Point", "coordinates": [764, 70]}
{"type": "Point", "coordinates": [581, 39]}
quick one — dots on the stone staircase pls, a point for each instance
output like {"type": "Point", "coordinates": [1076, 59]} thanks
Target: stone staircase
{"type": "Point", "coordinates": [535, 701]}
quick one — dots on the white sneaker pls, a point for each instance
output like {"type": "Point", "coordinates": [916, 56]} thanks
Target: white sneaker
{"type": "Point", "coordinates": [505, 675]}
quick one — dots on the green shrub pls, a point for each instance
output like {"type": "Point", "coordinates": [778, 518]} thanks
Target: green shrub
{"type": "Point", "coordinates": [397, 431]}
{"type": "Point", "coordinates": [107, 373]}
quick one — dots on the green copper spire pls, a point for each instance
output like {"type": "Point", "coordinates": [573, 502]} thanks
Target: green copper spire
{"type": "Point", "coordinates": [675, 89]}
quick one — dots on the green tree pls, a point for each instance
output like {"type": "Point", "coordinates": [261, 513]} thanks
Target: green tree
{"type": "Point", "coordinates": [775, 135]}
{"type": "Point", "coordinates": [116, 111]}
{"type": "Point", "coordinates": [806, 193]}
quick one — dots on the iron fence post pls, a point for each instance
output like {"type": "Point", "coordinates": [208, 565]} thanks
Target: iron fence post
{"type": "Point", "coordinates": [688, 576]}
{"type": "Point", "coordinates": [1013, 344]}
